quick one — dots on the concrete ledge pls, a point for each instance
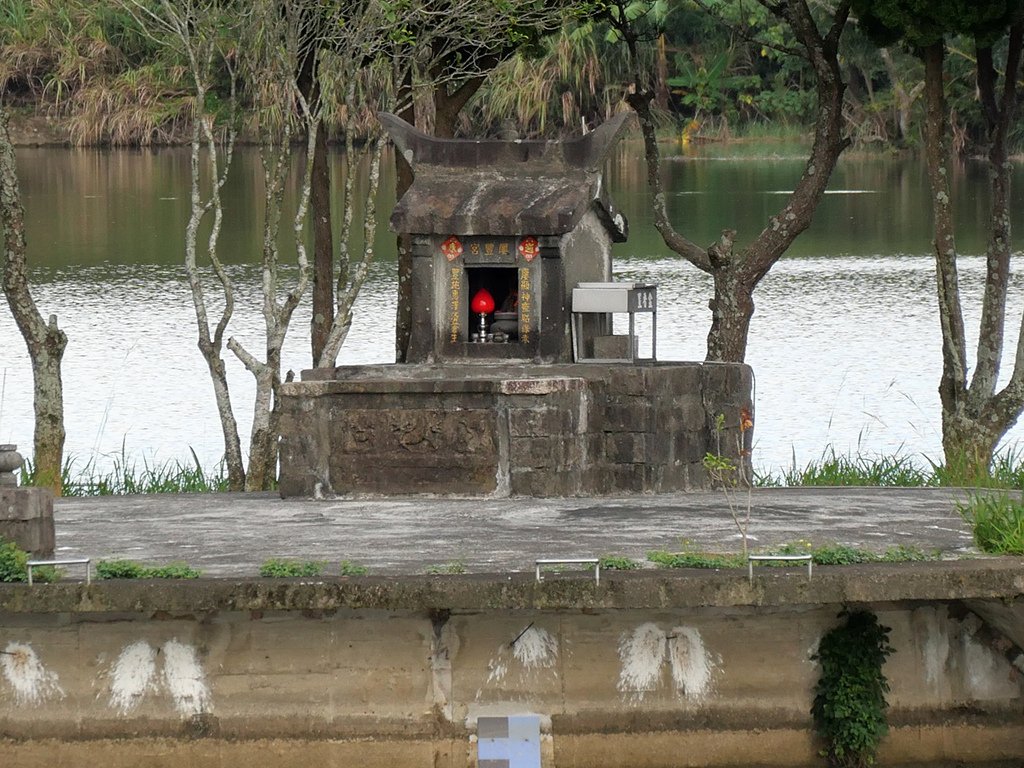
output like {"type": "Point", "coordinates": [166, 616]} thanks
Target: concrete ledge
{"type": "Point", "coordinates": [947, 744]}
{"type": "Point", "coordinates": [936, 745]}
{"type": "Point", "coordinates": [988, 579]}
{"type": "Point", "coordinates": [266, 753]}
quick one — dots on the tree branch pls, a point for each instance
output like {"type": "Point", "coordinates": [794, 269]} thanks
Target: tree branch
{"type": "Point", "coordinates": [744, 35]}
{"type": "Point", "coordinates": [785, 226]}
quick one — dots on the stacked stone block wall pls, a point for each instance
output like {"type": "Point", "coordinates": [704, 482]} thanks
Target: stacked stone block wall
{"type": "Point", "coordinates": [527, 431]}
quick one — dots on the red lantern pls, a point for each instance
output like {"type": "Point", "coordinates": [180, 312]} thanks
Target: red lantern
{"type": "Point", "coordinates": [482, 302]}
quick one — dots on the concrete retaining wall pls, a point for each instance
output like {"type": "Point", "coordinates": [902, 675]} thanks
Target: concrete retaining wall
{"type": "Point", "coordinates": [292, 672]}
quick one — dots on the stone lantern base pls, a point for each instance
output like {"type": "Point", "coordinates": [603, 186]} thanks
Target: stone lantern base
{"type": "Point", "coordinates": [26, 514]}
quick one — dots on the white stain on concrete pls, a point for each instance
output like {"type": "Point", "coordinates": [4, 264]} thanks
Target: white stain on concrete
{"type": "Point", "coordinates": [935, 648]}
{"type": "Point", "coordinates": [536, 648]}
{"type": "Point", "coordinates": [33, 684]}
{"type": "Point", "coordinates": [642, 654]}
{"type": "Point", "coordinates": [497, 669]}
{"type": "Point", "coordinates": [646, 651]}
{"type": "Point", "coordinates": [812, 652]}
{"type": "Point", "coordinates": [533, 651]}
{"type": "Point", "coordinates": [692, 666]}
{"type": "Point", "coordinates": [132, 676]}
{"type": "Point", "coordinates": [185, 678]}
{"type": "Point", "coordinates": [981, 666]}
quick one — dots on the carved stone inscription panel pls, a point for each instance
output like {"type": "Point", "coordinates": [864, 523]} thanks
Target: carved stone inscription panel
{"type": "Point", "coordinates": [434, 450]}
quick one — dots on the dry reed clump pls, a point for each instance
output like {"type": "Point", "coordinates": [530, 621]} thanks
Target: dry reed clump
{"type": "Point", "coordinates": [88, 63]}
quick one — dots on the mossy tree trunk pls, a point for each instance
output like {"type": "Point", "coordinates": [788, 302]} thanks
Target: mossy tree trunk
{"type": "Point", "coordinates": [975, 415]}
{"type": "Point", "coordinates": [323, 247]}
{"type": "Point", "coordinates": [45, 340]}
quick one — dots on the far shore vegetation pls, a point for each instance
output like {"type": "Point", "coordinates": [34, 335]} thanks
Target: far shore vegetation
{"type": "Point", "coordinates": [87, 73]}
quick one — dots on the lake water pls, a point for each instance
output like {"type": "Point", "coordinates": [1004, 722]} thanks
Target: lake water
{"type": "Point", "coordinates": [844, 343]}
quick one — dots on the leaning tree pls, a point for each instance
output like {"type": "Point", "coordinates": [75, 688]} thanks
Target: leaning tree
{"type": "Point", "coordinates": [976, 413]}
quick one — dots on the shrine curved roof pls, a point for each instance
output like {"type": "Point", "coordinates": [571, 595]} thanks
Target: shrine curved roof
{"type": "Point", "coordinates": [504, 188]}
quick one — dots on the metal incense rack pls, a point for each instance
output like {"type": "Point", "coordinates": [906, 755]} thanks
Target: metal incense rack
{"type": "Point", "coordinates": [607, 299]}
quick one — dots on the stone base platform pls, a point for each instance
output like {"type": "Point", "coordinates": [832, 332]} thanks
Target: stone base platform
{"type": "Point", "coordinates": [26, 518]}
{"type": "Point", "coordinates": [506, 429]}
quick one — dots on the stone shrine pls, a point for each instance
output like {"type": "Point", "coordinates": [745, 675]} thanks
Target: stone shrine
{"type": "Point", "coordinates": [522, 221]}
{"type": "Point", "coordinates": [508, 391]}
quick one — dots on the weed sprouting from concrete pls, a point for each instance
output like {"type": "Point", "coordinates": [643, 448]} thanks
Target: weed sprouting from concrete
{"type": "Point", "coordinates": [349, 568]}
{"type": "Point", "coordinates": [451, 567]}
{"type": "Point", "coordinates": [997, 520]}
{"type": "Point", "coordinates": [731, 475]}
{"type": "Point", "coordinates": [281, 568]}
{"type": "Point", "coordinates": [129, 569]}
{"type": "Point", "coordinates": [823, 554]}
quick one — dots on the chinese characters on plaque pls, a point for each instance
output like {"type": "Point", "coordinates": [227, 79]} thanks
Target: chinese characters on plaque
{"type": "Point", "coordinates": [507, 252]}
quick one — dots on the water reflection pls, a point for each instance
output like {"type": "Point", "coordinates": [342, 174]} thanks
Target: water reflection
{"type": "Point", "coordinates": [844, 344]}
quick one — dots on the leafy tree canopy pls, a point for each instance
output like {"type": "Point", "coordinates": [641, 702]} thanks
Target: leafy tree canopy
{"type": "Point", "coordinates": [920, 23]}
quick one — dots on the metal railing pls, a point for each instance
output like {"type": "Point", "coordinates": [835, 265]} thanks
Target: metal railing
{"type": "Point", "coordinates": [75, 561]}
{"type": "Point", "coordinates": [809, 559]}
{"type": "Point", "coordinates": [571, 561]}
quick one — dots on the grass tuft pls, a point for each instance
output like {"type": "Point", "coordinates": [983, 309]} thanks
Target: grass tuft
{"type": "Point", "coordinates": [348, 568]}
{"type": "Point", "coordinates": [834, 469]}
{"type": "Point", "coordinates": [825, 554]}
{"type": "Point", "coordinates": [129, 569]}
{"type": "Point", "coordinates": [13, 562]}
{"type": "Point", "coordinates": [618, 563]}
{"type": "Point", "coordinates": [280, 568]}
{"type": "Point", "coordinates": [126, 477]}
{"type": "Point", "coordinates": [14, 565]}
{"type": "Point", "coordinates": [997, 521]}
{"type": "Point", "coordinates": [451, 567]}
{"type": "Point", "coordinates": [897, 471]}
{"type": "Point", "coordinates": [695, 560]}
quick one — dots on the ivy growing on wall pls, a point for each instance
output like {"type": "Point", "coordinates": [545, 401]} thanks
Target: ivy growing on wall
{"type": "Point", "coordinates": [849, 702]}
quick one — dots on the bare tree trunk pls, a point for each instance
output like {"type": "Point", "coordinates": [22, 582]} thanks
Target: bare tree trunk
{"type": "Point", "coordinates": [323, 247]}
{"type": "Point", "coordinates": [403, 180]}
{"type": "Point", "coordinates": [212, 344]}
{"type": "Point", "coordinates": [936, 129]}
{"type": "Point", "coordinates": [45, 341]}
{"type": "Point", "coordinates": [449, 104]}
{"type": "Point", "coordinates": [661, 91]}
{"type": "Point", "coordinates": [197, 29]}
{"type": "Point", "coordinates": [736, 274]}
{"type": "Point", "coordinates": [352, 276]}
{"type": "Point", "coordinates": [263, 453]}
{"type": "Point", "coordinates": [732, 306]}
{"type": "Point", "coordinates": [308, 83]}
{"type": "Point", "coordinates": [974, 415]}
